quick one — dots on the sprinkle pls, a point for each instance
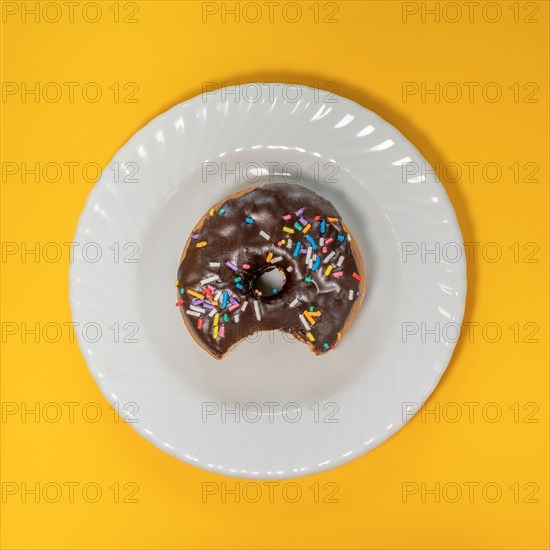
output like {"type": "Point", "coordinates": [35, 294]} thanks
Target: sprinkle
{"type": "Point", "coordinates": [244, 306]}
{"type": "Point", "coordinates": [218, 295]}
{"type": "Point", "coordinates": [328, 270]}
{"type": "Point", "coordinates": [212, 313]}
{"type": "Point", "coordinates": [358, 293]}
{"type": "Point", "coordinates": [355, 276]}
{"type": "Point", "coordinates": [275, 290]}
{"type": "Point", "coordinates": [232, 266]}
{"type": "Point", "coordinates": [215, 303]}
{"type": "Point", "coordinates": [317, 218]}
{"type": "Point", "coordinates": [225, 318]}
{"type": "Point", "coordinates": [277, 259]}
{"type": "Point", "coordinates": [193, 293]}
{"type": "Point", "coordinates": [303, 221]}
{"type": "Point", "coordinates": [176, 283]}
{"type": "Point", "coordinates": [338, 274]}
{"type": "Point", "coordinates": [298, 226]}
{"type": "Point", "coordinates": [249, 220]}
{"type": "Point", "coordinates": [321, 241]}
{"type": "Point", "coordinates": [197, 302]}
{"type": "Point", "coordinates": [265, 235]}
{"type": "Point", "coordinates": [323, 226]}
{"type": "Point", "coordinates": [308, 256]}
{"type": "Point", "coordinates": [304, 322]}
{"type": "Point", "coordinates": [299, 212]}
{"type": "Point", "coordinates": [325, 249]}
{"type": "Point", "coordinates": [297, 249]}
{"type": "Point", "coordinates": [257, 310]}
{"type": "Point", "coordinates": [288, 229]}
{"type": "Point", "coordinates": [199, 309]}
{"type": "Point", "coordinates": [222, 331]}
{"type": "Point", "coordinates": [208, 291]}
{"type": "Point", "coordinates": [339, 336]}
{"type": "Point", "coordinates": [289, 244]}
{"type": "Point", "coordinates": [216, 319]}
{"type": "Point", "coordinates": [236, 318]}
{"type": "Point", "coordinates": [312, 241]}
{"type": "Point", "coordinates": [208, 306]}
{"type": "Point", "coordinates": [196, 236]}
{"type": "Point", "coordinates": [239, 286]}
{"type": "Point", "coordinates": [222, 211]}
{"type": "Point", "coordinates": [182, 290]}
{"type": "Point", "coordinates": [349, 237]}
{"type": "Point", "coordinates": [214, 264]}
{"type": "Point", "coordinates": [269, 257]}
{"type": "Point", "coordinates": [307, 279]}
{"type": "Point", "coordinates": [289, 268]}
{"type": "Point", "coordinates": [193, 313]}
{"type": "Point", "coordinates": [233, 301]}
{"type": "Point", "coordinates": [310, 336]}
{"type": "Point", "coordinates": [329, 240]}
{"type": "Point", "coordinates": [212, 211]}
{"type": "Point", "coordinates": [209, 280]}
{"type": "Point", "coordinates": [200, 323]}
{"type": "Point", "coordinates": [341, 238]}
{"type": "Point", "coordinates": [179, 303]}
{"type": "Point", "coordinates": [294, 302]}
{"type": "Point", "coordinates": [238, 279]}
{"type": "Point", "coordinates": [332, 220]}
{"type": "Point", "coordinates": [201, 244]}
{"type": "Point", "coordinates": [233, 307]}
{"type": "Point", "coordinates": [216, 331]}
{"type": "Point", "coordinates": [326, 346]}
{"type": "Point", "coordinates": [311, 308]}
{"type": "Point", "coordinates": [340, 261]}
{"type": "Point", "coordinates": [329, 257]}
{"type": "Point", "coordinates": [287, 217]}
{"type": "Point", "coordinates": [224, 300]}
{"type": "Point", "coordinates": [351, 293]}
{"type": "Point", "coordinates": [316, 264]}
{"type": "Point", "coordinates": [246, 266]}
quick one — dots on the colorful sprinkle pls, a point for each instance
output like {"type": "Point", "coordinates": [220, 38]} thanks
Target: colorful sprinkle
{"type": "Point", "coordinates": [288, 229]}
{"type": "Point", "coordinates": [317, 218]}
{"type": "Point", "coordinates": [306, 228]}
{"type": "Point", "coordinates": [297, 249]}
{"type": "Point", "coordinates": [249, 220]}
{"type": "Point", "coordinates": [323, 226]}
{"type": "Point", "coordinates": [316, 264]}
{"type": "Point", "coordinates": [232, 266]}
{"type": "Point", "coordinates": [303, 221]}
{"type": "Point", "coordinates": [193, 293]}
{"type": "Point", "coordinates": [182, 290]}
{"type": "Point", "coordinates": [310, 336]}
{"type": "Point", "coordinates": [222, 211]}
{"type": "Point", "coordinates": [224, 300]}
{"type": "Point", "coordinates": [312, 242]}
{"type": "Point", "coordinates": [212, 211]}
{"type": "Point", "coordinates": [200, 323]}
{"type": "Point", "coordinates": [307, 279]}
{"type": "Point", "coordinates": [269, 257]}
{"type": "Point", "coordinates": [341, 238]}
{"type": "Point", "coordinates": [239, 286]}
{"type": "Point", "coordinates": [339, 336]}
{"type": "Point", "coordinates": [332, 220]}
{"type": "Point", "coordinates": [246, 266]}
{"type": "Point", "coordinates": [225, 318]}
{"type": "Point", "coordinates": [298, 226]}
{"type": "Point", "coordinates": [299, 212]}
{"type": "Point", "coordinates": [328, 270]}
{"type": "Point", "coordinates": [177, 283]}
{"type": "Point", "coordinates": [222, 331]}
{"type": "Point", "coordinates": [326, 346]}
{"type": "Point", "coordinates": [355, 276]}
{"type": "Point", "coordinates": [338, 274]}
{"type": "Point", "coordinates": [179, 303]}
{"type": "Point", "coordinates": [287, 217]}
{"type": "Point", "coordinates": [201, 244]}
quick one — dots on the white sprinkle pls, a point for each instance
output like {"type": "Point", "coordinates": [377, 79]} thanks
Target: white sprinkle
{"type": "Point", "coordinates": [199, 309]}
{"type": "Point", "coordinates": [340, 261]}
{"type": "Point", "coordinates": [218, 296]}
{"type": "Point", "coordinates": [294, 302]}
{"type": "Point", "coordinates": [304, 322]}
{"type": "Point", "coordinates": [214, 264]}
{"type": "Point", "coordinates": [244, 306]}
{"type": "Point", "coordinates": [257, 310]}
{"type": "Point", "coordinates": [329, 257]}
{"type": "Point", "coordinates": [322, 241]}
{"type": "Point", "coordinates": [210, 280]}
{"type": "Point", "coordinates": [276, 260]}
{"type": "Point", "coordinates": [193, 313]}
{"type": "Point", "coordinates": [289, 268]}
{"type": "Point", "coordinates": [351, 293]}
{"type": "Point", "coordinates": [289, 243]}
{"type": "Point", "coordinates": [236, 318]}
{"type": "Point", "coordinates": [349, 237]}
{"type": "Point", "coordinates": [308, 255]}
{"type": "Point", "coordinates": [265, 235]}
{"type": "Point", "coordinates": [212, 312]}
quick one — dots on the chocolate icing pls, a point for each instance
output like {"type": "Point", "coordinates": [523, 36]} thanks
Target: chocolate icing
{"type": "Point", "coordinates": [231, 239]}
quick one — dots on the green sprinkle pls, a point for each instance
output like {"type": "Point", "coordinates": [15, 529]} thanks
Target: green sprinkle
{"type": "Point", "coordinates": [222, 211]}
{"type": "Point", "coordinates": [326, 346]}
{"type": "Point", "coordinates": [307, 279]}
{"type": "Point", "coordinates": [238, 279]}
{"type": "Point", "coordinates": [311, 308]}
{"type": "Point", "coordinates": [298, 226]}
{"type": "Point", "coordinates": [182, 290]}
{"type": "Point", "coordinates": [225, 317]}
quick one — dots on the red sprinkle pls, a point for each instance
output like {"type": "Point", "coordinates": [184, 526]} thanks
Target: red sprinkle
{"type": "Point", "coordinates": [199, 325]}
{"type": "Point", "coordinates": [317, 218]}
{"type": "Point", "coordinates": [355, 276]}
{"type": "Point", "coordinates": [208, 292]}
{"type": "Point", "coordinates": [179, 303]}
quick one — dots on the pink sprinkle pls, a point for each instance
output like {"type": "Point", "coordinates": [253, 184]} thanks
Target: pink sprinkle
{"type": "Point", "coordinates": [234, 306]}
{"type": "Point", "coordinates": [232, 266]}
{"type": "Point", "coordinates": [211, 288]}
{"type": "Point", "coordinates": [328, 241]}
{"type": "Point", "coordinates": [325, 250]}
{"type": "Point", "coordinates": [338, 274]}
{"type": "Point", "coordinates": [222, 331]}
{"type": "Point", "coordinates": [279, 243]}
{"type": "Point", "coordinates": [287, 217]}
{"type": "Point", "coordinates": [246, 266]}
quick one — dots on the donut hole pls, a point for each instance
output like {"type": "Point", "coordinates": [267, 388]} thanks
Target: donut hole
{"type": "Point", "coordinates": [269, 282]}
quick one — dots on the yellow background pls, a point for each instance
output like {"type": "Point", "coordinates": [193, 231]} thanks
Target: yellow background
{"type": "Point", "coordinates": [366, 55]}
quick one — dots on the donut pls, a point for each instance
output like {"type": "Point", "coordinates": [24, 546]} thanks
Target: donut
{"type": "Point", "coordinates": [273, 257]}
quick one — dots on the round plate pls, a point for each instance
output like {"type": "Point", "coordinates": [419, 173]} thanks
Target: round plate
{"type": "Point", "coordinates": [270, 408]}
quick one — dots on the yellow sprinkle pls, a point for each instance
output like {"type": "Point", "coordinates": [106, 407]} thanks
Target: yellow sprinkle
{"type": "Point", "coordinates": [216, 319]}
{"type": "Point", "coordinates": [306, 228]}
{"type": "Point", "coordinates": [216, 329]}
{"type": "Point", "coordinates": [310, 336]}
{"type": "Point", "coordinates": [201, 244]}
{"type": "Point", "coordinates": [212, 211]}
{"type": "Point", "coordinates": [332, 219]}
{"type": "Point", "coordinates": [176, 283]}
{"type": "Point", "coordinates": [288, 229]}
{"type": "Point", "coordinates": [283, 241]}
{"type": "Point", "coordinates": [195, 294]}
{"type": "Point", "coordinates": [214, 303]}
{"type": "Point", "coordinates": [269, 257]}
{"type": "Point", "coordinates": [328, 270]}
{"type": "Point", "coordinates": [339, 336]}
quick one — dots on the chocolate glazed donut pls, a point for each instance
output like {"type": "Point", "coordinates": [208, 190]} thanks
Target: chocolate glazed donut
{"type": "Point", "coordinates": [275, 257]}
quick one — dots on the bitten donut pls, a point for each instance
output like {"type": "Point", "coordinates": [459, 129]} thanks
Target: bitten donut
{"type": "Point", "coordinates": [275, 257]}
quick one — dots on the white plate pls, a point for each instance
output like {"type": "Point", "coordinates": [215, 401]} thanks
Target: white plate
{"type": "Point", "coordinates": [329, 409]}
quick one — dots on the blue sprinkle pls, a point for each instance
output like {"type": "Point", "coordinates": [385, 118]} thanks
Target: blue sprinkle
{"type": "Point", "coordinates": [224, 299]}
{"type": "Point", "coordinates": [239, 286]}
{"type": "Point", "coordinates": [249, 220]}
{"type": "Point", "coordinates": [316, 264]}
{"type": "Point", "coordinates": [275, 291]}
{"type": "Point", "coordinates": [323, 226]}
{"type": "Point", "coordinates": [297, 249]}
{"type": "Point", "coordinates": [341, 238]}
{"type": "Point", "coordinates": [311, 242]}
